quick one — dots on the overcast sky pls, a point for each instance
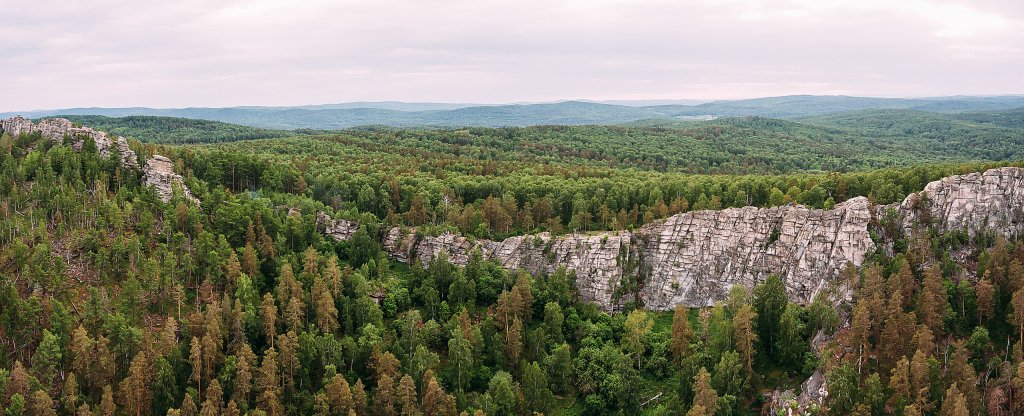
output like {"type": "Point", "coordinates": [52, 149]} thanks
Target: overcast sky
{"type": "Point", "coordinates": [115, 53]}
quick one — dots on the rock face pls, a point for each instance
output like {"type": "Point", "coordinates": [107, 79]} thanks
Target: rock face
{"type": "Point", "coordinates": [160, 175]}
{"type": "Point", "coordinates": [691, 259]}
{"type": "Point", "coordinates": [337, 229]}
{"type": "Point", "coordinates": [694, 258]}
{"type": "Point", "coordinates": [993, 200]}
{"type": "Point", "coordinates": [159, 170]}
{"type": "Point", "coordinates": [56, 129]}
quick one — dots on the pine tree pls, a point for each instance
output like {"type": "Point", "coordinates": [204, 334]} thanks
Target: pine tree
{"type": "Point", "coordinates": [288, 359]}
{"type": "Point", "coordinates": [434, 400]}
{"type": "Point", "coordinates": [1017, 313]}
{"type": "Point", "coordinates": [82, 354]}
{"type": "Point", "coordinates": [514, 340]}
{"type": "Point", "coordinates": [250, 262]}
{"type": "Point", "coordinates": [985, 298]}
{"type": "Point", "coordinates": [107, 406]}
{"type": "Point", "coordinates": [934, 301]}
{"type": "Point", "coordinates": [899, 384]}
{"type": "Point", "coordinates": [359, 400]}
{"type": "Point", "coordinates": [69, 394]}
{"type": "Point", "coordinates": [769, 303]}
{"type": "Point", "coordinates": [196, 359]}
{"type": "Point", "coordinates": [407, 396]}
{"type": "Point", "coordinates": [745, 337]}
{"type": "Point", "coordinates": [383, 364]}
{"type": "Point", "coordinates": [268, 314]}
{"type": "Point", "coordinates": [42, 404]}
{"type": "Point", "coordinates": [705, 398]}
{"type": "Point", "coordinates": [680, 346]}
{"type": "Point", "coordinates": [339, 395]}
{"type": "Point", "coordinates": [323, 302]}
{"type": "Point", "coordinates": [384, 396]}
{"type": "Point", "coordinates": [188, 406]}
{"type": "Point", "coordinates": [954, 403]}
{"type": "Point", "coordinates": [136, 388]}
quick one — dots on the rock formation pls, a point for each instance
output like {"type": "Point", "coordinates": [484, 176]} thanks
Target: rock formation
{"type": "Point", "coordinates": [694, 258]}
{"type": "Point", "coordinates": [160, 175]}
{"type": "Point", "coordinates": [691, 259]}
{"type": "Point", "coordinates": [993, 200]}
{"type": "Point", "coordinates": [56, 129]}
{"type": "Point", "coordinates": [337, 229]}
{"type": "Point", "coordinates": [159, 170]}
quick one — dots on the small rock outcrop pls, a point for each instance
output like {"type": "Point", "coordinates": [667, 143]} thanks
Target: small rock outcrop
{"type": "Point", "coordinates": [158, 171]}
{"type": "Point", "coordinates": [336, 229]}
{"type": "Point", "coordinates": [160, 175]}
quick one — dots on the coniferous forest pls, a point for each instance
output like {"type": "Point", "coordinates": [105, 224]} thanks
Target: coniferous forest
{"type": "Point", "coordinates": [114, 302]}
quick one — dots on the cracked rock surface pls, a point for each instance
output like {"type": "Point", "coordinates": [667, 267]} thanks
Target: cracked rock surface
{"type": "Point", "coordinates": [56, 129]}
{"type": "Point", "coordinates": [160, 175]}
{"type": "Point", "coordinates": [158, 170]}
{"type": "Point", "coordinates": [694, 258]}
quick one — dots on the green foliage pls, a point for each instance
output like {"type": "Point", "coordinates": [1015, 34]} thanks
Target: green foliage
{"type": "Point", "coordinates": [93, 267]}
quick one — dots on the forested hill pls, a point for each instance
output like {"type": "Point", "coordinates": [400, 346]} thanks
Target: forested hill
{"type": "Point", "coordinates": [339, 116]}
{"type": "Point", "coordinates": [114, 302]}
{"type": "Point", "coordinates": [154, 129]}
{"type": "Point", "coordinates": [860, 140]}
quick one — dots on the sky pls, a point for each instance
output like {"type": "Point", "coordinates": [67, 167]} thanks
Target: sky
{"type": "Point", "coordinates": [211, 53]}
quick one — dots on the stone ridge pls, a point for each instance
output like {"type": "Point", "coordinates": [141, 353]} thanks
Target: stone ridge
{"type": "Point", "coordinates": [56, 129]}
{"type": "Point", "coordinates": [694, 258]}
{"type": "Point", "coordinates": [993, 200]}
{"type": "Point", "coordinates": [159, 170]}
{"type": "Point", "coordinates": [691, 259]}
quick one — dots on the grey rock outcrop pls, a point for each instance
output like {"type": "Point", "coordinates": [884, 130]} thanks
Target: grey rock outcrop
{"type": "Point", "coordinates": [160, 175]}
{"type": "Point", "coordinates": [337, 229]}
{"type": "Point", "coordinates": [694, 258]}
{"type": "Point", "coordinates": [993, 200]}
{"type": "Point", "coordinates": [159, 170]}
{"type": "Point", "coordinates": [56, 129]}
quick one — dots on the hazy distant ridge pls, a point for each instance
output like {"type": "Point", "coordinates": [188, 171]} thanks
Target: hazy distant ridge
{"type": "Point", "coordinates": [399, 114]}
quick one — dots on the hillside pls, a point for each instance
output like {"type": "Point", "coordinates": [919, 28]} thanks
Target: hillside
{"type": "Point", "coordinates": [120, 297]}
{"type": "Point", "coordinates": [154, 129]}
{"type": "Point", "coordinates": [867, 139]}
{"type": "Point", "coordinates": [339, 116]}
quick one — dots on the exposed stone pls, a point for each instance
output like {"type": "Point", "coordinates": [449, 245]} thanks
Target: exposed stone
{"type": "Point", "coordinates": [338, 229]}
{"type": "Point", "coordinates": [159, 170]}
{"type": "Point", "coordinates": [56, 129]}
{"type": "Point", "coordinates": [160, 175]}
{"type": "Point", "coordinates": [993, 200]}
{"type": "Point", "coordinates": [694, 258]}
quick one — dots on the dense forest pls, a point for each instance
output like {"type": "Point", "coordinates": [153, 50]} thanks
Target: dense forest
{"type": "Point", "coordinates": [175, 130]}
{"type": "Point", "coordinates": [114, 303]}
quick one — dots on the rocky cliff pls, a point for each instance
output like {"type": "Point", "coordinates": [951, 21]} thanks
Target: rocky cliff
{"type": "Point", "coordinates": [993, 200]}
{"type": "Point", "coordinates": [694, 258]}
{"type": "Point", "coordinates": [56, 129]}
{"type": "Point", "coordinates": [160, 175]}
{"type": "Point", "coordinates": [158, 170]}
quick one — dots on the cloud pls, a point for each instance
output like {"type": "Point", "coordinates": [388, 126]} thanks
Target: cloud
{"type": "Point", "coordinates": [278, 52]}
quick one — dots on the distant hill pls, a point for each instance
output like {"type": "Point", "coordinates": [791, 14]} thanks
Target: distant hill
{"type": "Point", "coordinates": [157, 129]}
{"type": "Point", "coordinates": [397, 114]}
